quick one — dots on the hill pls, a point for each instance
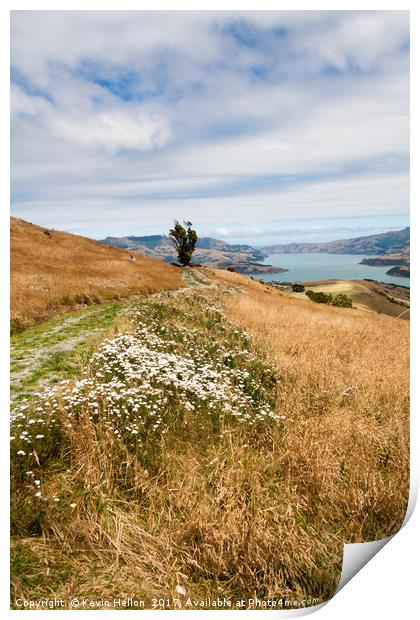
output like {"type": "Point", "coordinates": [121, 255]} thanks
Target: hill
{"type": "Point", "coordinates": [392, 242]}
{"type": "Point", "coordinates": [391, 248]}
{"type": "Point", "coordinates": [207, 248]}
{"type": "Point", "coordinates": [221, 439]}
{"type": "Point", "coordinates": [209, 252]}
{"type": "Point", "coordinates": [378, 297]}
{"type": "Point", "coordinates": [401, 271]}
{"type": "Point", "coordinates": [401, 262]}
{"type": "Point", "coordinates": [53, 271]}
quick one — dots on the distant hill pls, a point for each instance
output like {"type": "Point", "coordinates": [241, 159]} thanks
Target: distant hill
{"type": "Point", "coordinates": [245, 259]}
{"type": "Point", "coordinates": [392, 242]}
{"type": "Point", "coordinates": [207, 249]}
{"type": "Point", "coordinates": [146, 245]}
{"type": "Point", "coordinates": [210, 252]}
{"type": "Point", "coordinates": [53, 271]}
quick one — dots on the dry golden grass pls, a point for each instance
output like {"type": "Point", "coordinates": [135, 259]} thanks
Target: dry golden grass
{"type": "Point", "coordinates": [230, 513]}
{"type": "Point", "coordinates": [234, 530]}
{"type": "Point", "coordinates": [344, 389]}
{"type": "Point", "coordinates": [237, 279]}
{"type": "Point", "coordinates": [365, 295]}
{"type": "Point", "coordinates": [52, 272]}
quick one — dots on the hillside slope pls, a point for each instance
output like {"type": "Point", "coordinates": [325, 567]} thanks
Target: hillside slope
{"type": "Point", "coordinates": [53, 271]}
{"type": "Point", "coordinates": [368, 295]}
{"type": "Point", "coordinates": [195, 459]}
{"type": "Point", "coordinates": [392, 242]}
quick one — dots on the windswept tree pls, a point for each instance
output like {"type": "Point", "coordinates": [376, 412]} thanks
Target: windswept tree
{"type": "Point", "coordinates": [184, 238]}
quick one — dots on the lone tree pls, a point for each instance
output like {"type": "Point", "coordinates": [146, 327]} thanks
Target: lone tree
{"type": "Point", "coordinates": [185, 239]}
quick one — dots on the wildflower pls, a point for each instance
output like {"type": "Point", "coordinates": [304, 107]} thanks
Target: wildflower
{"type": "Point", "coordinates": [73, 505]}
{"type": "Point", "coordinates": [137, 379]}
{"type": "Point", "coordinates": [21, 452]}
{"type": "Point", "coordinates": [180, 590]}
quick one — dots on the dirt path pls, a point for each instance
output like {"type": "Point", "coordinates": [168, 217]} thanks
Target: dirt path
{"type": "Point", "coordinates": [194, 279]}
{"type": "Point", "coordinates": [55, 350]}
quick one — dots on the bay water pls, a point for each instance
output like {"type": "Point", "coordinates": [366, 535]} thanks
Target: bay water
{"type": "Point", "coordinates": [321, 266]}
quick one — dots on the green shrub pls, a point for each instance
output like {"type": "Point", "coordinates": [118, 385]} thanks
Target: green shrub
{"type": "Point", "coordinates": [320, 297]}
{"type": "Point", "coordinates": [298, 288]}
{"type": "Point", "coordinates": [341, 300]}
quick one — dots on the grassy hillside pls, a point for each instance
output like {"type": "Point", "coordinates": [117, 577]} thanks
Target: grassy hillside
{"type": "Point", "coordinates": [367, 295]}
{"type": "Point", "coordinates": [344, 382]}
{"type": "Point", "coordinates": [53, 272]}
{"type": "Point", "coordinates": [224, 440]}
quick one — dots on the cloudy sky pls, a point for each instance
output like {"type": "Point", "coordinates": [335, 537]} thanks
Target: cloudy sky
{"type": "Point", "coordinates": [257, 126]}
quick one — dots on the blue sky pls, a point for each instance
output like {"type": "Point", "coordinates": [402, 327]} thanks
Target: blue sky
{"type": "Point", "coordinates": [257, 126]}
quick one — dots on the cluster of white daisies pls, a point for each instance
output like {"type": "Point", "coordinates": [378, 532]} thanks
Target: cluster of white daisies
{"type": "Point", "coordinates": [137, 382]}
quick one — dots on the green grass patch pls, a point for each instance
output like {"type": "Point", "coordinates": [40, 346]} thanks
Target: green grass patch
{"type": "Point", "coordinates": [55, 350]}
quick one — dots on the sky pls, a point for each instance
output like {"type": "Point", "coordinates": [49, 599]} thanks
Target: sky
{"type": "Point", "coordinates": [260, 127]}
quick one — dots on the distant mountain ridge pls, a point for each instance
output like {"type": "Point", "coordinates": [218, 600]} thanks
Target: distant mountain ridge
{"type": "Point", "coordinates": [392, 242]}
{"type": "Point", "coordinates": [393, 247]}
{"type": "Point", "coordinates": [211, 252]}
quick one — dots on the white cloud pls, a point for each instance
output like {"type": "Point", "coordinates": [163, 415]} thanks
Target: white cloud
{"type": "Point", "coordinates": [163, 115]}
{"type": "Point", "coordinates": [23, 104]}
{"type": "Point", "coordinates": [114, 130]}
{"type": "Point", "coordinates": [362, 39]}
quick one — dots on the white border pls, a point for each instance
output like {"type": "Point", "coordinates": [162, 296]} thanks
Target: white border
{"type": "Point", "coordinates": [387, 586]}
